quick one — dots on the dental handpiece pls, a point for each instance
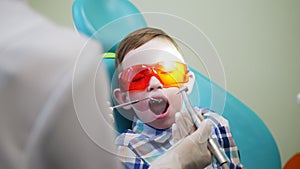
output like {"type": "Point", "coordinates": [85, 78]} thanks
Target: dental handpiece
{"type": "Point", "coordinates": [213, 146]}
{"type": "Point", "coordinates": [132, 102]}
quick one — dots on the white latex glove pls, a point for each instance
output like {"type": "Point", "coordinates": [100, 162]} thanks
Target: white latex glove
{"type": "Point", "coordinates": [189, 153]}
{"type": "Point", "coordinates": [183, 125]}
{"type": "Point", "coordinates": [111, 115]}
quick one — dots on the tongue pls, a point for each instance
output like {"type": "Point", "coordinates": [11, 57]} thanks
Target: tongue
{"type": "Point", "coordinates": [159, 106]}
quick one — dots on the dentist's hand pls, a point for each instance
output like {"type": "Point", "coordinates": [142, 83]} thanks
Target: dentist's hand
{"type": "Point", "coordinates": [183, 125]}
{"type": "Point", "coordinates": [111, 115]}
{"type": "Point", "coordinates": [189, 153]}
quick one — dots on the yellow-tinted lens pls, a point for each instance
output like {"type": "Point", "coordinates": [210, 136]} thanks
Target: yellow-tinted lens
{"type": "Point", "coordinates": [172, 74]}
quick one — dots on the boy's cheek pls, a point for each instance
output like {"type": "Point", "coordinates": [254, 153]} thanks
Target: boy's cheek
{"type": "Point", "coordinates": [136, 95]}
{"type": "Point", "coordinates": [141, 106]}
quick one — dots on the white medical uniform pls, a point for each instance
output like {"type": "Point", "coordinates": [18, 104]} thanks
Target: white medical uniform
{"type": "Point", "coordinates": [39, 128]}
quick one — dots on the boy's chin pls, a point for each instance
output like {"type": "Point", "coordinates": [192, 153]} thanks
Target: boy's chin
{"type": "Point", "coordinates": [161, 124]}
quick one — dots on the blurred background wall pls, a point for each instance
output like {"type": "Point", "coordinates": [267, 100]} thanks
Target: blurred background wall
{"type": "Point", "coordinates": [259, 46]}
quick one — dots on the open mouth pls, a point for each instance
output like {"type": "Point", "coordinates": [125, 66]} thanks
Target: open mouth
{"type": "Point", "coordinates": [159, 105]}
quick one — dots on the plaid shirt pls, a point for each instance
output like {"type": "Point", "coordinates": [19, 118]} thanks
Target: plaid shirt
{"type": "Point", "coordinates": [138, 147]}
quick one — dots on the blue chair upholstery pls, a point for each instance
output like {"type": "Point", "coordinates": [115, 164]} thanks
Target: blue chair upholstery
{"type": "Point", "coordinates": [99, 18]}
{"type": "Point", "coordinates": [257, 146]}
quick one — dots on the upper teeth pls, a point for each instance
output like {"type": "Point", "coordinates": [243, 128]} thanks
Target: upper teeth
{"type": "Point", "coordinates": [157, 100]}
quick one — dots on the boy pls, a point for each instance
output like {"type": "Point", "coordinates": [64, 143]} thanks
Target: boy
{"type": "Point", "coordinates": [151, 66]}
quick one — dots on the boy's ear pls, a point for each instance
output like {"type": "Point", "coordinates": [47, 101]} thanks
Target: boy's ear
{"type": "Point", "coordinates": [121, 97]}
{"type": "Point", "coordinates": [190, 83]}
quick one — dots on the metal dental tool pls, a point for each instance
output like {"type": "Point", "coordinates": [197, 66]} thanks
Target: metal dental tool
{"type": "Point", "coordinates": [213, 146]}
{"type": "Point", "coordinates": [132, 102]}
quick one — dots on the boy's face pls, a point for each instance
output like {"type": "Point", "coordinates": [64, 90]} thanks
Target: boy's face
{"type": "Point", "coordinates": [158, 113]}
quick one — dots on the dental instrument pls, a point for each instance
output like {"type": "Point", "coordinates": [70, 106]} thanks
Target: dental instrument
{"type": "Point", "coordinates": [133, 102]}
{"type": "Point", "coordinates": [213, 146]}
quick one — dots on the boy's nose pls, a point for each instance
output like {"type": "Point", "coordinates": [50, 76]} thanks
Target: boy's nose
{"type": "Point", "coordinates": [154, 84]}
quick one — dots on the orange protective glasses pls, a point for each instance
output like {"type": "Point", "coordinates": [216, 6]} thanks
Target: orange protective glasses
{"type": "Point", "coordinates": [137, 77]}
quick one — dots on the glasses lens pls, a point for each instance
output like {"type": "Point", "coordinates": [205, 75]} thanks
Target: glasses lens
{"type": "Point", "coordinates": [171, 74]}
{"type": "Point", "coordinates": [140, 80]}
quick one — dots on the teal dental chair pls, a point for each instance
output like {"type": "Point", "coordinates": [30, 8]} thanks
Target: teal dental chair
{"type": "Point", "coordinates": [257, 146]}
